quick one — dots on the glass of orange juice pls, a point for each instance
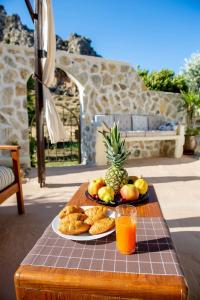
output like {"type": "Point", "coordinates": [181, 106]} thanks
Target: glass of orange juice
{"type": "Point", "coordinates": [125, 222]}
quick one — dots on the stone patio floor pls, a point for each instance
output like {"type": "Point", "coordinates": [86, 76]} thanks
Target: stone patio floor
{"type": "Point", "coordinates": [177, 184]}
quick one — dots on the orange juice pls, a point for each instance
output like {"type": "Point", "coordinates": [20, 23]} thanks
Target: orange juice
{"type": "Point", "coordinates": [125, 234]}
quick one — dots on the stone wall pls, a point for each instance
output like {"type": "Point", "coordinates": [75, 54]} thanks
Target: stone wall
{"type": "Point", "coordinates": [16, 65]}
{"type": "Point", "coordinates": [105, 87]}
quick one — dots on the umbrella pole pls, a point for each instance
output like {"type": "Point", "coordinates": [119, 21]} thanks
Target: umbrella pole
{"type": "Point", "coordinates": [39, 105]}
{"type": "Point", "coordinates": [39, 102]}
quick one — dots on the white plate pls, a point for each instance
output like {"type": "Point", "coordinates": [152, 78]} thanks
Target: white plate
{"type": "Point", "coordinates": [83, 236]}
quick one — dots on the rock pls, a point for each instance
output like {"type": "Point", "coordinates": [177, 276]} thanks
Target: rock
{"type": "Point", "coordinates": [9, 61]}
{"type": "Point", "coordinates": [24, 73]}
{"type": "Point", "coordinates": [123, 86]}
{"type": "Point", "coordinates": [20, 89]}
{"type": "Point", "coordinates": [107, 79]}
{"type": "Point", "coordinates": [94, 68]}
{"type": "Point", "coordinates": [64, 61]}
{"type": "Point", "coordinates": [113, 68]}
{"type": "Point", "coordinates": [12, 31]}
{"type": "Point", "coordinates": [115, 87]}
{"type": "Point", "coordinates": [10, 76]}
{"type": "Point", "coordinates": [7, 94]}
{"type": "Point", "coordinates": [105, 101]}
{"type": "Point", "coordinates": [96, 79]}
{"type": "Point", "coordinates": [83, 78]}
{"type": "Point", "coordinates": [22, 116]}
{"type": "Point", "coordinates": [80, 45]}
{"type": "Point", "coordinates": [32, 63]}
{"type": "Point", "coordinates": [7, 110]}
{"type": "Point", "coordinates": [124, 68]}
{"type": "Point", "coordinates": [97, 105]}
{"type": "Point", "coordinates": [21, 60]}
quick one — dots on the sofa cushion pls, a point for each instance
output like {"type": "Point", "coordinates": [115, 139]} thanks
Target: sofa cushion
{"type": "Point", "coordinates": [168, 126]}
{"type": "Point", "coordinates": [160, 133]}
{"type": "Point", "coordinates": [108, 119]}
{"type": "Point", "coordinates": [6, 177]}
{"type": "Point", "coordinates": [124, 121]}
{"type": "Point", "coordinates": [140, 122]}
{"type": "Point", "coordinates": [154, 122]}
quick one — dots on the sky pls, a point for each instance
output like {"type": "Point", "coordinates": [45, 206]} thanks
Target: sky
{"type": "Point", "coordinates": [154, 34]}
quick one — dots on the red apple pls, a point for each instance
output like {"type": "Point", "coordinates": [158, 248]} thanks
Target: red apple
{"type": "Point", "coordinates": [129, 192]}
{"type": "Point", "coordinates": [95, 185]}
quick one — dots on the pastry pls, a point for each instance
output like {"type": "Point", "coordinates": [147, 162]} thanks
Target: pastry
{"type": "Point", "coordinates": [90, 212]}
{"type": "Point", "coordinates": [69, 209]}
{"type": "Point", "coordinates": [92, 219]}
{"type": "Point", "coordinates": [73, 227]}
{"type": "Point", "coordinates": [73, 217]}
{"type": "Point", "coordinates": [102, 225]}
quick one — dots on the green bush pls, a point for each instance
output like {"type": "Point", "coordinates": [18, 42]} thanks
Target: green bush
{"type": "Point", "coordinates": [192, 131]}
{"type": "Point", "coordinates": [32, 147]}
{"type": "Point", "coordinates": [164, 80]}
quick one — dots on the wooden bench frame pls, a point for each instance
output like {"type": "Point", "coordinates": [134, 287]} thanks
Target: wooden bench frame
{"type": "Point", "coordinates": [16, 186]}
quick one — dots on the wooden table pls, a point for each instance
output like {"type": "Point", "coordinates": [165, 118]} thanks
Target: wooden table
{"type": "Point", "coordinates": [44, 283]}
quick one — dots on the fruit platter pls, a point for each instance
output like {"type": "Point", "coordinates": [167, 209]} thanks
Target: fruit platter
{"type": "Point", "coordinates": [133, 193]}
{"type": "Point", "coordinates": [117, 187]}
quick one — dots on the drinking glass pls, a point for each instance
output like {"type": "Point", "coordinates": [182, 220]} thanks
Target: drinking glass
{"type": "Point", "coordinates": [125, 221]}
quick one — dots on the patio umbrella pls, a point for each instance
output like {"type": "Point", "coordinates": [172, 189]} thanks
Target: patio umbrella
{"type": "Point", "coordinates": [45, 49]}
{"type": "Point", "coordinates": [48, 45]}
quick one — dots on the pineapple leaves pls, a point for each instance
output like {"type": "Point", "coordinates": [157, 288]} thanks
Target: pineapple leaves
{"type": "Point", "coordinates": [116, 152]}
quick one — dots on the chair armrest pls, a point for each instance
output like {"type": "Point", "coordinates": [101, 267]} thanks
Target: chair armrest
{"type": "Point", "coordinates": [9, 147]}
{"type": "Point", "coordinates": [14, 149]}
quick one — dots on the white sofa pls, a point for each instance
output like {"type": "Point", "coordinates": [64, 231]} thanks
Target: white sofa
{"type": "Point", "coordinates": [137, 128]}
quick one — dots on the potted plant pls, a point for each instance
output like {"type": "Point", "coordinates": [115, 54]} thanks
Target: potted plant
{"type": "Point", "coordinates": [190, 103]}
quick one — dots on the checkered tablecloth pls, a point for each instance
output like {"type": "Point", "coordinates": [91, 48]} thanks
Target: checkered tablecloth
{"type": "Point", "coordinates": [154, 254]}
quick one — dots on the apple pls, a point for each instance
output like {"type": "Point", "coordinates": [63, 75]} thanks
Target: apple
{"type": "Point", "coordinates": [95, 185]}
{"type": "Point", "coordinates": [129, 192]}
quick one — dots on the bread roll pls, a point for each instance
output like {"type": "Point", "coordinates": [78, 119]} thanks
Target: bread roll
{"type": "Point", "coordinates": [102, 225]}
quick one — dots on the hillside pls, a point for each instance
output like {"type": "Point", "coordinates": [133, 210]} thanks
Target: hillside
{"type": "Point", "coordinates": [12, 31]}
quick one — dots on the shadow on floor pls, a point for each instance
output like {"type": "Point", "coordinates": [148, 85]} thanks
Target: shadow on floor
{"type": "Point", "coordinates": [54, 171]}
{"type": "Point", "coordinates": [167, 179]}
{"type": "Point", "coordinates": [18, 234]}
{"type": "Point", "coordinates": [187, 244]}
{"type": "Point", "coordinates": [184, 222]}
{"type": "Point", "coordinates": [58, 185]}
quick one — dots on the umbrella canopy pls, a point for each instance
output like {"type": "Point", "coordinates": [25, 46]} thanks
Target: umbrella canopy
{"type": "Point", "coordinates": [48, 45]}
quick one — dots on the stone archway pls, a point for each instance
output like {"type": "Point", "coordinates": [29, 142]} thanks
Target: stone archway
{"type": "Point", "coordinates": [105, 87]}
{"type": "Point", "coordinates": [65, 94]}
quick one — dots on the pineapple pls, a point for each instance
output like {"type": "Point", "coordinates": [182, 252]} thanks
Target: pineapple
{"type": "Point", "coordinates": [116, 176]}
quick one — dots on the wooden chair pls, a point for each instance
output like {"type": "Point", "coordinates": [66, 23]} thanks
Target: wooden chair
{"type": "Point", "coordinates": [16, 186]}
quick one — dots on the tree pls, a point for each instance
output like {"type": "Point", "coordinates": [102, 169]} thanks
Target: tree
{"type": "Point", "coordinates": [164, 80]}
{"type": "Point", "coordinates": [191, 72]}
